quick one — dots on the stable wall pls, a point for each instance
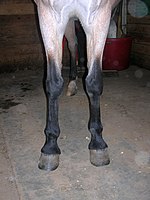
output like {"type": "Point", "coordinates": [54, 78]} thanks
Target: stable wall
{"type": "Point", "coordinates": [139, 29]}
{"type": "Point", "coordinates": [20, 44]}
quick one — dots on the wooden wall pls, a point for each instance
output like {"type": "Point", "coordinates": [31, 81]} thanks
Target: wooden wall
{"type": "Point", "coordinates": [20, 42]}
{"type": "Point", "coordinates": [139, 29]}
{"type": "Point", "coordinates": [20, 39]}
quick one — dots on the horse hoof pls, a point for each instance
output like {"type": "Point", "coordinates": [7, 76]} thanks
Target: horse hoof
{"type": "Point", "coordinates": [48, 162]}
{"type": "Point", "coordinates": [99, 157]}
{"type": "Point", "coordinates": [72, 89]}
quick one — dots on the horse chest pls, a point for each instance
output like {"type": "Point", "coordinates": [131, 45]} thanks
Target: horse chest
{"type": "Point", "coordinates": [74, 8]}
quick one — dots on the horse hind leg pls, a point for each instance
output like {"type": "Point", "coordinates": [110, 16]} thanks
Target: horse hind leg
{"type": "Point", "coordinates": [71, 38]}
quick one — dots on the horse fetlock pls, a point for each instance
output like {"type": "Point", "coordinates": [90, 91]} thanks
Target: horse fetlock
{"type": "Point", "coordinates": [51, 146]}
{"type": "Point", "coordinates": [97, 142]}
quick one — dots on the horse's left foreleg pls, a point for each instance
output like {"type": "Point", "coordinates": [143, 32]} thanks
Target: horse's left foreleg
{"type": "Point", "coordinates": [96, 37]}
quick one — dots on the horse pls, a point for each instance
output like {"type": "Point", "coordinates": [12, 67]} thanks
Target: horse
{"type": "Point", "coordinates": [94, 16]}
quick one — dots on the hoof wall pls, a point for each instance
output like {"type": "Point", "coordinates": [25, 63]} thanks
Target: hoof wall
{"type": "Point", "coordinates": [99, 157]}
{"type": "Point", "coordinates": [48, 162]}
{"type": "Point", "coordinates": [72, 89]}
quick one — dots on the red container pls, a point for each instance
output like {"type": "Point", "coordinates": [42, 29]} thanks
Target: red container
{"type": "Point", "coordinates": [116, 54]}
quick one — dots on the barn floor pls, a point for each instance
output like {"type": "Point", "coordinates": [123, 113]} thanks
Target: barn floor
{"type": "Point", "coordinates": [125, 106]}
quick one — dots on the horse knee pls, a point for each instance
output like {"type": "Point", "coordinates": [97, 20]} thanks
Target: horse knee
{"type": "Point", "coordinates": [94, 80]}
{"type": "Point", "coordinates": [54, 81]}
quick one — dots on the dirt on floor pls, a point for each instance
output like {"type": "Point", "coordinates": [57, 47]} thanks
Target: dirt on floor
{"type": "Point", "coordinates": [125, 108]}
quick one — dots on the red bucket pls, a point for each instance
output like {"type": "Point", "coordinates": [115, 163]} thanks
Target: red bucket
{"type": "Point", "coordinates": [116, 54]}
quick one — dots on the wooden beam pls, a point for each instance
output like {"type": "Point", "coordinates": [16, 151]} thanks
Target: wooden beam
{"type": "Point", "coordinates": [17, 9]}
{"type": "Point", "coordinates": [143, 20]}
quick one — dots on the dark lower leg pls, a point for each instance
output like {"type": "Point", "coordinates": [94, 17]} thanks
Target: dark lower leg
{"type": "Point", "coordinates": [81, 38]}
{"type": "Point", "coordinates": [95, 125]}
{"type": "Point", "coordinates": [97, 146]}
{"type": "Point", "coordinates": [72, 88]}
{"type": "Point", "coordinates": [52, 130]}
{"type": "Point", "coordinates": [73, 67]}
{"type": "Point", "coordinates": [50, 150]}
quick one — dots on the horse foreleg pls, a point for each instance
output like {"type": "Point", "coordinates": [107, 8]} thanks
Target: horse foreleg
{"type": "Point", "coordinates": [49, 159]}
{"type": "Point", "coordinates": [52, 38]}
{"type": "Point", "coordinates": [94, 86]}
{"type": "Point", "coordinates": [71, 38]}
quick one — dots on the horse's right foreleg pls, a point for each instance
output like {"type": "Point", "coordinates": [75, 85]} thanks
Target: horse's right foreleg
{"type": "Point", "coordinates": [52, 38]}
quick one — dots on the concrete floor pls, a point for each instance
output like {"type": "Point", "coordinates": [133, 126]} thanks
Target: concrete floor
{"type": "Point", "coordinates": [125, 106]}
